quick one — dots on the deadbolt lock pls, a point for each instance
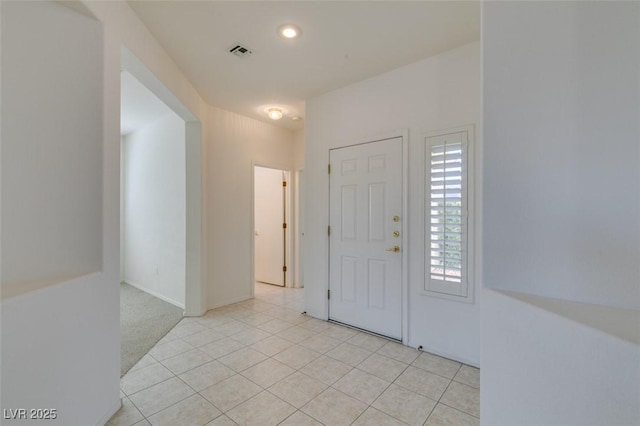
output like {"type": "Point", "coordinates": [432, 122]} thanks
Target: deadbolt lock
{"type": "Point", "coordinates": [396, 234]}
{"type": "Point", "coordinates": [396, 218]}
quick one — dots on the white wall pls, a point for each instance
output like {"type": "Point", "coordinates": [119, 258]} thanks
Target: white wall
{"type": "Point", "coordinates": [541, 366]}
{"type": "Point", "coordinates": [48, 234]}
{"type": "Point", "coordinates": [141, 86]}
{"type": "Point", "coordinates": [48, 369]}
{"type": "Point", "coordinates": [437, 93]}
{"type": "Point", "coordinates": [561, 112]}
{"type": "Point", "coordinates": [234, 144]}
{"type": "Point", "coordinates": [154, 209]}
{"type": "Point", "coordinates": [59, 314]}
{"type": "Point", "coordinates": [230, 143]}
{"type": "Point", "coordinates": [298, 149]}
{"type": "Point", "coordinates": [129, 44]}
{"type": "Point", "coordinates": [61, 350]}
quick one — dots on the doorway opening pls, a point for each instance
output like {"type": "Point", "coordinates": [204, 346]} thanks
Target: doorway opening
{"type": "Point", "coordinates": [160, 211]}
{"type": "Point", "coordinates": [271, 226]}
{"type": "Point", "coordinates": [194, 290]}
{"type": "Point", "coordinates": [153, 194]}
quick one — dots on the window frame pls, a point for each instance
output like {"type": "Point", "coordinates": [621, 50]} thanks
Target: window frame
{"type": "Point", "coordinates": [468, 198]}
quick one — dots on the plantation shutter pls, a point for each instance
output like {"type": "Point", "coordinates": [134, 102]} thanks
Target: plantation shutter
{"type": "Point", "coordinates": [446, 263]}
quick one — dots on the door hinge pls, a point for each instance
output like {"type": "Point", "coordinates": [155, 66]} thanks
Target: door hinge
{"type": "Point", "coordinates": [328, 230]}
{"type": "Point", "coordinates": [284, 269]}
{"type": "Point", "coordinates": [284, 226]}
{"type": "Point", "coordinates": [284, 183]}
{"type": "Point", "coordinates": [328, 294]}
{"type": "Point", "coordinates": [329, 168]}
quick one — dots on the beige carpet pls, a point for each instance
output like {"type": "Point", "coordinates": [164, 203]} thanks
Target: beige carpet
{"type": "Point", "coordinates": [144, 320]}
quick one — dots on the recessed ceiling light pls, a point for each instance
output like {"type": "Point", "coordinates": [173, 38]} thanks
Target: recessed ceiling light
{"type": "Point", "coordinates": [289, 31]}
{"type": "Point", "coordinates": [274, 113]}
{"type": "Point", "coordinates": [296, 118]}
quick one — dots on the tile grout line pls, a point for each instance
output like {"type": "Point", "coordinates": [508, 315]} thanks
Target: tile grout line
{"type": "Point", "coordinates": [460, 383]}
{"type": "Point", "coordinates": [247, 378]}
{"type": "Point", "coordinates": [169, 406]}
{"type": "Point", "coordinates": [317, 332]}
{"type": "Point", "coordinates": [445, 391]}
{"type": "Point", "coordinates": [459, 410]}
{"type": "Point", "coordinates": [391, 383]}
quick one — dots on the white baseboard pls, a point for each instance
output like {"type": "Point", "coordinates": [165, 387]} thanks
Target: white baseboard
{"type": "Point", "coordinates": [194, 314]}
{"type": "Point", "coordinates": [156, 294]}
{"type": "Point", "coordinates": [228, 302]}
{"type": "Point", "coordinates": [434, 351]}
{"type": "Point", "coordinates": [110, 413]}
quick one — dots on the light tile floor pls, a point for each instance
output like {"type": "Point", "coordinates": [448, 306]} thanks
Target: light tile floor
{"type": "Point", "coordinates": [260, 362]}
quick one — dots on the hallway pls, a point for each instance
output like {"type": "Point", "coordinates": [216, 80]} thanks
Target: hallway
{"type": "Point", "coordinates": [260, 362]}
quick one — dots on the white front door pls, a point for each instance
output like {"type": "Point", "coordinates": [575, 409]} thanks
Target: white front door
{"type": "Point", "coordinates": [269, 231]}
{"type": "Point", "coordinates": [365, 261]}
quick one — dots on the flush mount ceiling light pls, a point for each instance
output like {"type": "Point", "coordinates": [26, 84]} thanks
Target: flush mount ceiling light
{"type": "Point", "coordinates": [289, 31]}
{"type": "Point", "coordinates": [274, 113]}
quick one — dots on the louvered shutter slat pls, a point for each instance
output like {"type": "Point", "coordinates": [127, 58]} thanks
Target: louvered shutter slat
{"type": "Point", "coordinates": [446, 223]}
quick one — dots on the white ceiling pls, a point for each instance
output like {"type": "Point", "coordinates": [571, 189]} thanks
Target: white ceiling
{"type": "Point", "coordinates": [341, 43]}
{"type": "Point", "coordinates": [138, 106]}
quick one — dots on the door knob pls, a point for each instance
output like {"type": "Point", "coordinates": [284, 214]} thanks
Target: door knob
{"type": "Point", "coordinates": [394, 249]}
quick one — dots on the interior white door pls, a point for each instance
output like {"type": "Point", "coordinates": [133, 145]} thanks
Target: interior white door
{"type": "Point", "coordinates": [269, 219]}
{"type": "Point", "coordinates": [365, 269]}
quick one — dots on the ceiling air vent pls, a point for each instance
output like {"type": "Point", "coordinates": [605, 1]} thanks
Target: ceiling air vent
{"type": "Point", "coordinates": [240, 50]}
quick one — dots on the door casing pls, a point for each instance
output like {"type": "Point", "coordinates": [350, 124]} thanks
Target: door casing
{"type": "Point", "coordinates": [270, 235]}
{"type": "Point", "coordinates": [289, 220]}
